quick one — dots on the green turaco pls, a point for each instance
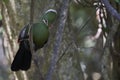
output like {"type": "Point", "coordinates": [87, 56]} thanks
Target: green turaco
{"type": "Point", "coordinates": [40, 34]}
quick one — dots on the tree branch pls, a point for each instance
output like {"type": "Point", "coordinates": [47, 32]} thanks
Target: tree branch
{"type": "Point", "coordinates": [111, 10]}
{"type": "Point", "coordinates": [61, 24]}
{"type": "Point", "coordinates": [106, 53]}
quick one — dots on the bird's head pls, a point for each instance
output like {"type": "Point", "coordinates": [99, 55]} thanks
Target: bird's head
{"type": "Point", "coordinates": [49, 17]}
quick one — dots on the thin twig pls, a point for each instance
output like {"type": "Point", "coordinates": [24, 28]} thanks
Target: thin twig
{"type": "Point", "coordinates": [35, 58]}
{"type": "Point", "coordinates": [30, 26]}
{"type": "Point", "coordinates": [64, 52]}
{"type": "Point", "coordinates": [83, 26]}
{"type": "Point", "coordinates": [32, 11]}
{"type": "Point", "coordinates": [86, 22]}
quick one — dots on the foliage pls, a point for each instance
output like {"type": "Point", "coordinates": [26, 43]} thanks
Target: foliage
{"type": "Point", "coordinates": [76, 47]}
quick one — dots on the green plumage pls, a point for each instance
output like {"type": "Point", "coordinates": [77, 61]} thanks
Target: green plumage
{"type": "Point", "coordinates": [49, 17]}
{"type": "Point", "coordinates": [41, 30]}
{"type": "Point", "coordinates": [40, 34]}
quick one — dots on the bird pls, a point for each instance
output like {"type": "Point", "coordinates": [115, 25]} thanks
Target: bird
{"type": "Point", "coordinates": [40, 35]}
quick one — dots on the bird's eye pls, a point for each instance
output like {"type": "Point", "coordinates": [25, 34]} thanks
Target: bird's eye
{"type": "Point", "coordinates": [45, 21]}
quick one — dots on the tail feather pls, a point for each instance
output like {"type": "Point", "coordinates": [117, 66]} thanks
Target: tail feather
{"type": "Point", "coordinates": [22, 60]}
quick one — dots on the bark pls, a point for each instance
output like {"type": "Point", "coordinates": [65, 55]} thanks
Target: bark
{"type": "Point", "coordinates": [116, 55]}
{"type": "Point", "coordinates": [61, 25]}
{"type": "Point", "coordinates": [10, 23]}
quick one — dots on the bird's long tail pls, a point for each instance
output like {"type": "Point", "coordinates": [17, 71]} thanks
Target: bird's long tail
{"type": "Point", "coordinates": [22, 60]}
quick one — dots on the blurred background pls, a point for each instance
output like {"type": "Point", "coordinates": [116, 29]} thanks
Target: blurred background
{"type": "Point", "coordinates": [89, 47]}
